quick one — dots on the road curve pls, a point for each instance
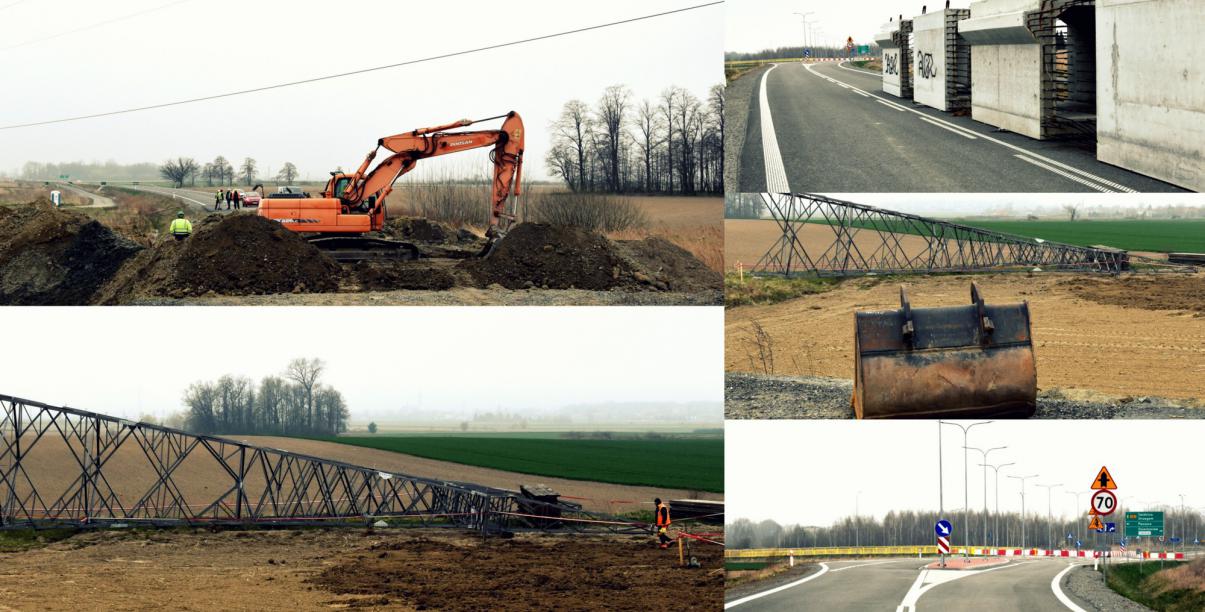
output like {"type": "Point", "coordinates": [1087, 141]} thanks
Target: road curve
{"type": "Point", "coordinates": [838, 132]}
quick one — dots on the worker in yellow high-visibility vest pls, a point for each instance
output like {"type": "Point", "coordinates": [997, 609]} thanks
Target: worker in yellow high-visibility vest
{"type": "Point", "coordinates": [180, 227]}
{"type": "Point", "coordinates": [663, 522]}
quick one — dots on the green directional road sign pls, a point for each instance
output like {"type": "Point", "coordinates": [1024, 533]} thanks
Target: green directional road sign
{"type": "Point", "coordinates": [1144, 524]}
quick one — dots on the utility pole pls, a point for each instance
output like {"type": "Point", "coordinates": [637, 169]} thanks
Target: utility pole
{"type": "Point", "coordinates": [1049, 488]}
{"type": "Point", "coordinates": [1023, 479]}
{"type": "Point", "coordinates": [1076, 515]}
{"type": "Point", "coordinates": [857, 540]}
{"type": "Point", "coordinates": [1183, 524]}
{"type": "Point", "coordinates": [803, 18]}
{"type": "Point", "coordinates": [985, 453]}
{"type": "Point", "coordinates": [965, 497]}
{"type": "Point", "coordinates": [996, 496]}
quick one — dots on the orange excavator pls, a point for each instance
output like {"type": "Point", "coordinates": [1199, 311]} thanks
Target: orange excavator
{"type": "Point", "coordinates": [354, 204]}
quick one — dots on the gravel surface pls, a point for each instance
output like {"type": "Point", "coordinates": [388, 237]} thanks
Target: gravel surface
{"type": "Point", "coordinates": [738, 103]}
{"type": "Point", "coordinates": [756, 396]}
{"type": "Point", "coordinates": [1089, 588]}
{"type": "Point", "coordinates": [460, 296]}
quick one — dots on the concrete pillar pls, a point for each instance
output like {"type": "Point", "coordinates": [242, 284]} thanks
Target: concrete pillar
{"type": "Point", "coordinates": [1006, 65]}
{"type": "Point", "coordinates": [1150, 88]}
{"type": "Point", "coordinates": [894, 39]}
{"type": "Point", "coordinates": [941, 60]}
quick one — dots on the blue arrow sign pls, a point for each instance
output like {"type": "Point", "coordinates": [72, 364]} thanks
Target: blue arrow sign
{"type": "Point", "coordinates": [943, 527]}
{"type": "Point", "coordinates": [1175, 540]}
{"type": "Point", "coordinates": [1078, 544]}
{"type": "Point", "coordinates": [1122, 542]}
{"type": "Point", "coordinates": [1110, 527]}
{"type": "Point", "coordinates": [807, 52]}
{"type": "Point", "coordinates": [1069, 536]}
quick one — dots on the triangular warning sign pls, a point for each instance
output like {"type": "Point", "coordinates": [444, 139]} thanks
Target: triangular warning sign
{"type": "Point", "coordinates": [1095, 523]}
{"type": "Point", "coordinates": [1104, 480]}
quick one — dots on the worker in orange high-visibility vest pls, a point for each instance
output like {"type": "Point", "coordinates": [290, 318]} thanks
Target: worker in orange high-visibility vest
{"type": "Point", "coordinates": [662, 522]}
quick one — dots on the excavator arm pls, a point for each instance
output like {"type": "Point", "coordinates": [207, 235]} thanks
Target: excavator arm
{"type": "Point", "coordinates": [367, 188]}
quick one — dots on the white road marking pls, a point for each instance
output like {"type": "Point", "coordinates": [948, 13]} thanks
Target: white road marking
{"type": "Point", "coordinates": [841, 569]}
{"type": "Point", "coordinates": [987, 138]}
{"type": "Point", "coordinates": [1065, 175]}
{"type": "Point", "coordinates": [931, 578]}
{"type": "Point", "coordinates": [891, 106]}
{"type": "Point", "coordinates": [946, 127]}
{"type": "Point", "coordinates": [852, 69]}
{"type": "Point", "coordinates": [733, 604]}
{"type": "Point", "coordinates": [1058, 591]}
{"type": "Point", "coordinates": [776, 173]}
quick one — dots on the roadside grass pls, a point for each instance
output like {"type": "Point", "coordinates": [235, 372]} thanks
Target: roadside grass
{"type": "Point", "coordinates": [1179, 587]}
{"type": "Point", "coordinates": [745, 566]}
{"type": "Point", "coordinates": [761, 290]}
{"type": "Point", "coordinates": [873, 65]}
{"type": "Point", "coordinates": [705, 242]}
{"type": "Point", "coordinates": [695, 464]}
{"type": "Point", "coordinates": [21, 540]}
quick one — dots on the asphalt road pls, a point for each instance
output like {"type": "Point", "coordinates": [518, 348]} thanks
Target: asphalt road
{"type": "Point", "coordinates": [903, 585]}
{"type": "Point", "coordinates": [192, 198]}
{"type": "Point", "coordinates": [834, 130]}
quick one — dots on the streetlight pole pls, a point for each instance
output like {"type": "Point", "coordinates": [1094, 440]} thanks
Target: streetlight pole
{"type": "Point", "coordinates": [996, 496]}
{"type": "Point", "coordinates": [1183, 524]}
{"type": "Point", "coordinates": [803, 18]}
{"type": "Point", "coordinates": [1049, 488]}
{"type": "Point", "coordinates": [1023, 479]}
{"type": "Point", "coordinates": [985, 453]}
{"type": "Point", "coordinates": [857, 539]}
{"type": "Point", "coordinates": [965, 498]}
{"type": "Point", "coordinates": [1078, 523]}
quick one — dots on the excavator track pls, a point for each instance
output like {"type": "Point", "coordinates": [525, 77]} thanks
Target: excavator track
{"type": "Point", "coordinates": [350, 249]}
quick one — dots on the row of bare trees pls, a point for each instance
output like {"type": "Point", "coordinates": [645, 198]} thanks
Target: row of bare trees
{"type": "Point", "coordinates": [674, 144]}
{"type": "Point", "coordinates": [295, 402]}
{"type": "Point", "coordinates": [219, 172]}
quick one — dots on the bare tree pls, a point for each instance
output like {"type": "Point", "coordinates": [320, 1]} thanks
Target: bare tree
{"type": "Point", "coordinates": [209, 172]}
{"type": "Point", "coordinates": [219, 165]}
{"type": "Point", "coordinates": [668, 108]}
{"type": "Point", "coordinates": [573, 127]}
{"type": "Point", "coordinates": [287, 173]}
{"type": "Point", "coordinates": [1072, 210]}
{"type": "Point", "coordinates": [716, 104]}
{"type": "Point", "coordinates": [178, 170]}
{"type": "Point", "coordinates": [248, 171]}
{"type": "Point", "coordinates": [612, 117]}
{"type": "Point", "coordinates": [306, 372]}
{"type": "Point", "coordinates": [648, 125]}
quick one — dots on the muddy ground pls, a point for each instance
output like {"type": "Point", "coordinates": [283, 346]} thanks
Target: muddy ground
{"type": "Point", "coordinates": [241, 255]}
{"type": "Point", "coordinates": [1132, 336]}
{"type": "Point", "coordinates": [351, 568]}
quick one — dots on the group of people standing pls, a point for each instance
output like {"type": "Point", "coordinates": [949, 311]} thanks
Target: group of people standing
{"type": "Point", "coordinates": [231, 196]}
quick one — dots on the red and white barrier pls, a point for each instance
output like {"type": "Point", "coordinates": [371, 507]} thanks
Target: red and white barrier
{"type": "Point", "coordinates": [1167, 556]}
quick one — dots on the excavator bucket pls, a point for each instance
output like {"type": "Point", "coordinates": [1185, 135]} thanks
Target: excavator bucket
{"type": "Point", "coordinates": [954, 361]}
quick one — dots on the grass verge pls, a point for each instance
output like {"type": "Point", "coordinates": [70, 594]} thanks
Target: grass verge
{"type": "Point", "coordinates": [695, 464]}
{"type": "Point", "coordinates": [1179, 587]}
{"type": "Point", "coordinates": [757, 290]}
{"type": "Point", "coordinates": [21, 540]}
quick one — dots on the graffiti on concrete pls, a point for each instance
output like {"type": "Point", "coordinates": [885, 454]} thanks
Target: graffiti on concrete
{"type": "Point", "coordinates": [891, 63]}
{"type": "Point", "coordinates": [924, 65]}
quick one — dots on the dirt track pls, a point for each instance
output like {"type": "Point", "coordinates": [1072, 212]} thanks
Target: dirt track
{"type": "Point", "coordinates": [320, 570]}
{"type": "Point", "coordinates": [1142, 348]}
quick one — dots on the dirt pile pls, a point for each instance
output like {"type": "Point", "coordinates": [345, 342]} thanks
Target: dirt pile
{"type": "Point", "coordinates": [425, 230]}
{"type": "Point", "coordinates": [54, 257]}
{"type": "Point", "coordinates": [239, 254]}
{"type": "Point", "coordinates": [550, 573]}
{"type": "Point", "coordinates": [670, 266]}
{"type": "Point", "coordinates": [385, 276]}
{"type": "Point", "coordinates": [1145, 291]}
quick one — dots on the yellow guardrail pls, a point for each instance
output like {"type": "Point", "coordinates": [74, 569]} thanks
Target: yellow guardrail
{"type": "Point", "coordinates": [836, 551]}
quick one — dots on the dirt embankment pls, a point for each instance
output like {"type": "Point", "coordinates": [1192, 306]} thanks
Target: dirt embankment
{"type": "Point", "coordinates": [55, 257]}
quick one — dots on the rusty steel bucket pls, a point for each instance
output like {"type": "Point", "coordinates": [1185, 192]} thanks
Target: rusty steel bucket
{"type": "Point", "coordinates": [955, 361]}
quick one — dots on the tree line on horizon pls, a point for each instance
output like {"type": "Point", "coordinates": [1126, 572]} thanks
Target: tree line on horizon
{"type": "Point", "coordinates": [910, 528]}
{"type": "Point", "coordinates": [673, 144]}
{"type": "Point", "coordinates": [219, 172]}
{"type": "Point", "coordinates": [295, 402]}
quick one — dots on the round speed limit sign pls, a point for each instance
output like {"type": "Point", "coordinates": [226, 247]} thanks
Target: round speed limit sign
{"type": "Point", "coordinates": [1104, 502]}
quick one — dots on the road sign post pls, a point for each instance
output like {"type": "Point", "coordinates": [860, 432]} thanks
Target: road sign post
{"type": "Point", "coordinates": [1103, 502]}
{"type": "Point", "coordinates": [943, 529]}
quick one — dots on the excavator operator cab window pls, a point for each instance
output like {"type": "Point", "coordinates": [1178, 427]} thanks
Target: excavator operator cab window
{"type": "Point", "coordinates": [341, 186]}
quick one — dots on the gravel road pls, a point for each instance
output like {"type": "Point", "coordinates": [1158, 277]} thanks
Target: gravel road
{"type": "Point", "coordinates": [756, 396]}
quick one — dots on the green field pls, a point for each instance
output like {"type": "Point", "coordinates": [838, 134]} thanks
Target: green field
{"type": "Point", "coordinates": [1159, 235]}
{"type": "Point", "coordinates": [692, 463]}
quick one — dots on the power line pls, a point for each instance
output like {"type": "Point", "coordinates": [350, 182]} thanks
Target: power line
{"type": "Point", "coordinates": [90, 27]}
{"type": "Point", "coordinates": [363, 70]}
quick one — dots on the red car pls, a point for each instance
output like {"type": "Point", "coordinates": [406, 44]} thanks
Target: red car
{"type": "Point", "coordinates": [250, 198]}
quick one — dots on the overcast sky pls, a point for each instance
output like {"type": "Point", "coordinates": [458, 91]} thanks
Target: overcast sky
{"type": "Point", "coordinates": [196, 48]}
{"type": "Point", "coordinates": [958, 204]}
{"type": "Point", "coordinates": [130, 361]}
{"type": "Point", "coordinates": [753, 25]}
{"type": "Point", "coordinates": [810, 472]}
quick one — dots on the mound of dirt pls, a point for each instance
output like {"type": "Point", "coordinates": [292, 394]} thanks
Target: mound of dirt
{"type": "Point", "coordinates": [425, 230]}
{"type": "Point", "coordinates": [539, 255]}
{"type": "Point", "coordinates": [53, 257]}
{"type": "Point", "coordinates": [1147, 291]}
{"type": "Point", "coordinates": [384, 276]}
{"type": "Point", "coordinates": [671, 265]}
{"type": "Point", "coordinates": [239, 254]}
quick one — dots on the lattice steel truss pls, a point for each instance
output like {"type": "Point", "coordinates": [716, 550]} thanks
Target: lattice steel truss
{"type": "Point", "coordinates": [869, 240]}
{"type": "Point", "coordinates": [119, 471]}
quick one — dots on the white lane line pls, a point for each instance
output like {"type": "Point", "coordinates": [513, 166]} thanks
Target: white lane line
{"type": "Point", "coordinates": [1065, 175]}
{"type": "Point", "coordinates": [776, 173]}
{"type": "Point", "coordinates": [936, 577]}
{"type": "Point", "coordinates": [841, 569]}
{"type": "Point", "coordinates": [891, 106]}
{"type": "Point", "coordinates": [1058, 591]}
{"type": "Point", "coordinates": [861, 94]}
{"type": "Point", "coordinates": [733, 604]}
{"type": "Point", "coordinates": [852, 69]}
{"type": "Point", "coordinates": [946, 127]}
{"type": "Point", "coordinates": [1014, 147]}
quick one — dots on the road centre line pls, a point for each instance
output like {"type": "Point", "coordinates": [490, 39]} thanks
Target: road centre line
{"type": "Point", "coordinates": [733, 604]}
{"type": "Point", "coordinates": [776, 172]}
{"type": "Point", "coordinates": [1064, 174]}
{"type": "Point", "coordinates": [1058, 591]}
{"type": "Point", "coordinates": [946, 127]}
{"type": "Point", "coordinates": [852, 69]}
{"type": "Point", "coordinates": [919, 587]}
{"type": "Point", "coordinates": [987, 138]}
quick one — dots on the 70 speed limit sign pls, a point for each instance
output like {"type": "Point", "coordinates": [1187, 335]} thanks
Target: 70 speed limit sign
{"type": "Point", "coordinates": [1104, 502]}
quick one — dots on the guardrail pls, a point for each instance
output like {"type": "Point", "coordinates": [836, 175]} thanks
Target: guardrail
{"type": "Point", "coordinates": [974, 551]}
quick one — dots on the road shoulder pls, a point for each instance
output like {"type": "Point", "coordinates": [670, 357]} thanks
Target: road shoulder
{"type": "Point", "coordinates": [1087, 589]}
{"type": "Point", "coordinates": [738, 104]}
